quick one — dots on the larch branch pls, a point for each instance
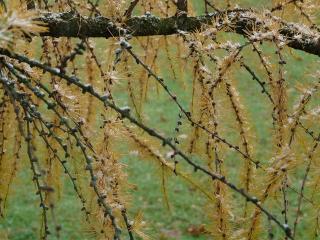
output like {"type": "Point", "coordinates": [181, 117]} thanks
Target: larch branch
{"type": "Point", "coordinates": [130, 9]}
{"type": "Point", "coordinates": [182, 6]}
{"type": "Point", "coordinates": [244, 22]}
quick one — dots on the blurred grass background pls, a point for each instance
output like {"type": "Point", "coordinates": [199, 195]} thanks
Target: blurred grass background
{"type": "Point", "coordinates": [23, 215]}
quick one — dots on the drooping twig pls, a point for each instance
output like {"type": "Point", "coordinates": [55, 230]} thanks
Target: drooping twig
{"type": "Point", "coordinates": [151, 132]}
{"type": "Point", "coordinates": [303, 184]}
{"type": "Point", "coordinates": [182, 7]}
{"type": "Point", "coordinates": [281, 5]}
{"type": "Point", "coordinates": [130, 9]}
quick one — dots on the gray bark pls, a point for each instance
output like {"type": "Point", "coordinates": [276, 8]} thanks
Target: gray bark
{"type": "Point", "coordinates": [69, 24]}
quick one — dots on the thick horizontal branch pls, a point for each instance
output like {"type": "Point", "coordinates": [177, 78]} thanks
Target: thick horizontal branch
{"type": "Point", "coordinates": [70, 24]}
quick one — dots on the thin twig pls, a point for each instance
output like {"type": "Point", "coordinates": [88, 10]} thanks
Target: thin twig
{"type": "Point", "coordinates": [130, 9]}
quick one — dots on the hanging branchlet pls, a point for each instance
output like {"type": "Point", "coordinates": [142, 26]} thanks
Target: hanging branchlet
{"type": "Point", "coordinates": [300, 109]}
{"type": "Point", "coordinates": [34, 162]}
{"type": "Point", "coordinates": [176, 141]}
{"type": "Point", "coordinates": [173, 85]}
{"type": "Point", "coordinates": [311, 155]}
{"type": "Point", "coordinates": [81, 145]}
{"type": "Point", "coordinates": [151, 132]}
{"type": "Point", "coordinates": [185, 112]}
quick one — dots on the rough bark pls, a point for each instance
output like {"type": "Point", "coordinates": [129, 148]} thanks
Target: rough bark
{"type": "Point", "coordinates": [182, 6]}
{"type": "Point", "coordinates": [69, 24]}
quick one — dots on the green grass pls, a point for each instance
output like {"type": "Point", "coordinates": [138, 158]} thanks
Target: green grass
{"type": "Point", "coordinates": [23, 215]}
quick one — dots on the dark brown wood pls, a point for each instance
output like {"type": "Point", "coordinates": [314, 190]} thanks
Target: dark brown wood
{"type": "Point", "coordinates": [129, 11]}
{"type": "Point", "coordinates": [70, 24]}
{"type": "Point", "coordinates": [182, 6]}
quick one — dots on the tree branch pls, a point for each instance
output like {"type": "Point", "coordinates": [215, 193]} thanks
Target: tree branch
{"type": "Point", "coordinates": [130, 9]}
{"type": "Point", "coordinates": [70, 24]}
{"type": "Point", "coordinates": [182, 6]}
{"type": "Point", "coordinates": [31, 4]}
